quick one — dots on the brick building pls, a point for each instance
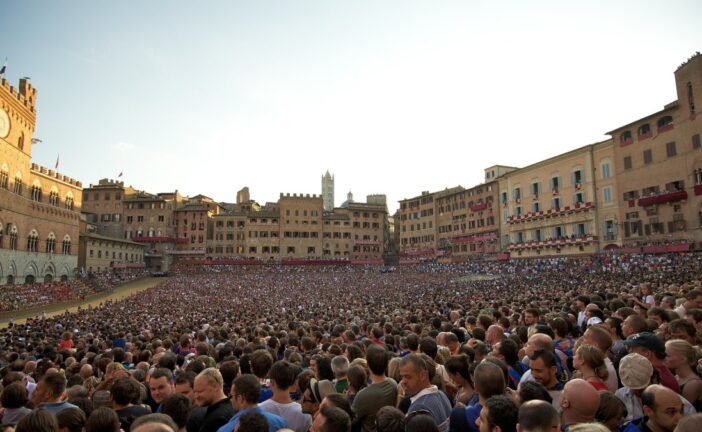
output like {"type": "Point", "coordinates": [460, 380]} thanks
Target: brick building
{"type": "Point", "coordinates": [39, 207]}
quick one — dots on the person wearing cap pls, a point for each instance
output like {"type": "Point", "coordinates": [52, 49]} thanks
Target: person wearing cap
{"type": "Point", "coordinates": [662, 410]}
{"type": "Point", "coordinates": [282, 376]}
{"type": "Point", "coordinates": [652, 347]}
{"type": "Point", "coordinates": [636, 373]}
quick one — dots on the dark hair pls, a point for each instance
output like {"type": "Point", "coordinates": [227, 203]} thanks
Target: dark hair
{"type": "Point", "coordinates": [253, 422]}
{"type": "Point", "coordinates": [459, 364]}
{"type": "Point", "coordinates": [283, 374]}
{"type": "Point", "coordinates": [340, 401]}
{"type": "Point", "coordinates": [55, 383]}
{"type": "Point", "coordinates": [357, 377]}
{"type": "Point", "coordinates": [103, 419]}
{"type": "Point", "coordinates": [510, 351]}
{"type": "Point", "coordinates": [125, 391]}
{"type": "Point", "coordinates": [39, 420]}
{"type": "Point", "coordinates": [324, 368]}
{"type": "Point", "coordinates": [354, 352]}
{"type": "Point", "coordinates": [261, 362]}
{"type": "Point", "coordinates": [682, 325]}
{"type": "Point", "coordinates": [336, 420]}
{"type": "Point", "coordinates": [428, 346]}
{"type": "Point", "coordinates": [85, 404]}
{"type": "Point", "coordinates": [15, 395]}
{"type": "Point", "coordinates": [377, 359]}
{"type": "Point", "coordinates": [72, 419]}
{"type": "Point", "coordinates": [390, 419]}
{"type": "Point", "coordinates": [177, 406]}
{"type": "Point", "coordinates": [421, 423]}
{"type": "Point", "coordinates": [413, 342]}
{"type": "Point", "coordinates": [610, 407]}
{"type": "Point", "coordinates": [531, 390]}
{"type": "Point", "coordinates": [502, 412]}
{"type": "Point", "coordinates": [169, 361]}
{"type": "Point", "coordinates": [489, 379]}
{"type": "Point", "coordinates": [162, 373]}
{"type": "Point", "coordinates": [185, 376]}
{"type": "Point", "coordinates": [248, 386]}
{"type": "Point", "coordinates": [546, 356]}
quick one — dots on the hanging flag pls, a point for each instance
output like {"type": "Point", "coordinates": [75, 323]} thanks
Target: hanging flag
{"type": "Point", "coordinates": [120, 174]}
{"type": "Point", "coordinates": [4, 66]}
{"type": "Point", "coordinates": [57, 161]}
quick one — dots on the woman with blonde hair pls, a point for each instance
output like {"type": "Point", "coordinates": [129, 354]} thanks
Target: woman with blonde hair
{"type": "Point", "coordinates": [680, 358]}
{"type": "Point", "coordinates": [590, 361]}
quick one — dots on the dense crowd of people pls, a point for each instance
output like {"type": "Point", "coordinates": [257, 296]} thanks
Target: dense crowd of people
{"type": "Point", "coordinates": [601, 343]}
{"type": "Point", "coordinates": [26, 296]}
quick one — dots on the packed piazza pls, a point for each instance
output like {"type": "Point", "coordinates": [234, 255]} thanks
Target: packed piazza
{"type": "Point", "coordinates": [607, 342]}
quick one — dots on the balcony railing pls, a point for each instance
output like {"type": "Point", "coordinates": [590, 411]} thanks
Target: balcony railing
{"type": "Point", "coordinates": [527, 217]}
{"type": "Point", "coordinates": [666, 197]}
{"type": "Point", "coordinates": [557, 243]}
{"type": "Point", "coordinates": [147, 239]}
{"type": "Point", "coordinates": [479, 206]}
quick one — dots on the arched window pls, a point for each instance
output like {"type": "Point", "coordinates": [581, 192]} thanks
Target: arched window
{"type": "Point", "coordinates": [4, 177]}
{"type": "Point", "coordinates": [13, 238]}
{"type": "Point", "coordinates": [32, 241]}
{"type": "Point", "coordinates": [625, 138]}
{"type": "Point", "coordinates": [69, 201]}
{"type": "Point", "coordinates": [66, 248]}
{"type": "Point", "coordinates": [644, 130]}
{"type": "Point", "coordinates": [18, 184]}
{"type": "Point", "coordinates": [20, 142]}
{"type": "Point", "coordinates": [54, 197]}
{"type": "Point", "coordinates": [51, 243]}
{"type": "Point", "coordinates": [665, 123]}
{"type": "Point", "coordinates": [690, 98]}
{"type": "Point", "coordinates": [36, 192]}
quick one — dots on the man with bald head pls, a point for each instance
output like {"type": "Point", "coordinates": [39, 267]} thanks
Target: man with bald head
{"type": "Point", "coordinates": [86, 371]}
{"type": "Point", "coordinates": [579, 403]}
{"type": "Point", "coordinates": [540, 342]}
{"type": "Point", "coordinates": [662, 409]}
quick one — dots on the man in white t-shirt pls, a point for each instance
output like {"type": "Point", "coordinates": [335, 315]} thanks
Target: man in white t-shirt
{"type": "Point", "coordinates": [282, 377]}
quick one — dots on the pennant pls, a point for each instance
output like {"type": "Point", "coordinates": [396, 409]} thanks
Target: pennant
{"type": "Point", "coordinates": [57, 162]}
{"type": "Point", "coordinates": [4, 66]}
{"type": "Point", "coordinates": [120, 174]}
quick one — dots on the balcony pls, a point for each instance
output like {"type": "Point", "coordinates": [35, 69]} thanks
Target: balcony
{"type": "Point", "coordinates": [366, 242]}
{"type": "Point", "coordinates": [698, 190]}
{"type": "Point", "coordinates": [665, 128]}
{"type": "Point", "coordinates": [554, 243]}
{"type": "Point", "coordinates": [146, 239]}
{"type": "Point", "coordinates": [473, 238]}
{"type": "Point", "coordinates": [663, 198]}
{"type": "Point", "coordinates": [479, 207]}
{"type": "Point", "coordinates": [567, 210]}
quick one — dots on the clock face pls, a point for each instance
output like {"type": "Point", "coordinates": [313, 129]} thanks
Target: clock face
{"type": "Point", "coordinates": [4, 124]}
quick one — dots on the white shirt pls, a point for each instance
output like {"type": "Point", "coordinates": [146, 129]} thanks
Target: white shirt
{"type": "Point", "coordinates": [290, 412]}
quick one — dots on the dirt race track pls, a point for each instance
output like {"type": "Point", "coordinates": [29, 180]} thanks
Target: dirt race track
{"type": "Point", "coordinates": [20, 316]}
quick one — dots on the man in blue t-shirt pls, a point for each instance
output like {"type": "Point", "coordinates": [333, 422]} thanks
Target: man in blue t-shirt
{"type": "Point", "coordinates": [245, 392]}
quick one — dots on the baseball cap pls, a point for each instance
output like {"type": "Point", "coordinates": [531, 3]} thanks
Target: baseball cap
{"type": "Point", "coordinates": [646, 340]}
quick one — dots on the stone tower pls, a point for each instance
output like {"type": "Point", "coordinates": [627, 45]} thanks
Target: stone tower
{"type": "Point", "coordinates": [328, 191]}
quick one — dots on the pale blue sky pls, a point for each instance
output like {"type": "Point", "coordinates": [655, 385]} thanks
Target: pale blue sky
{"type": "Point", "coordinates": [393, 97]}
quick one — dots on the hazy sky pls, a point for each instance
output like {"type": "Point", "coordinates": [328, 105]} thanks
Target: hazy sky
{"type": "Point", "coordinates": [392, 97]}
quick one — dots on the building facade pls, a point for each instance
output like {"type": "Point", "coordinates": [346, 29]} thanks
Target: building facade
{"type": "Point", "coordinates": [101, 253]}
{"type": "Point", "coordinates": [468, 222]}
{"type": "Point", "coordinates": [551, 207]}
{"type": "Point", "coordinates": [103, 206]}
{"type": "Point", "coordinates": [39, 207]}
{"type": "Point", "coordinates": [659, 170]}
